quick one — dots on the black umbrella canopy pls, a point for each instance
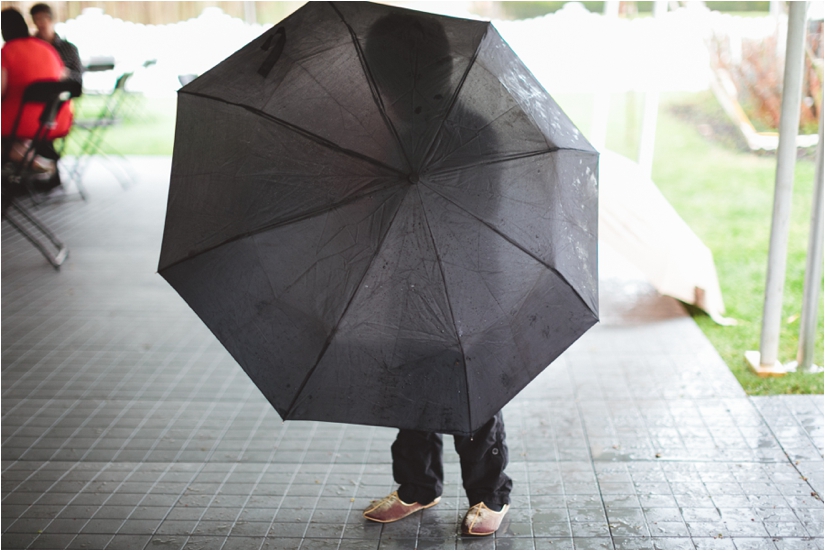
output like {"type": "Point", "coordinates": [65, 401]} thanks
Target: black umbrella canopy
{"type": "Point", "coordinates": [383, 217]}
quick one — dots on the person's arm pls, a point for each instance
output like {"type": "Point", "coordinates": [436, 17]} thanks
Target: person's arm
{"type": "Point", "coordinates": [5, 79]}
{"type": "Point", "coordinates": [71, 59]}
{"type": "Point", "coordinates": [61, 71]}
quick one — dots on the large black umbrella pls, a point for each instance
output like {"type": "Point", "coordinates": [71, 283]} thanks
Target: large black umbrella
{"type": "Point", "coordinates": [383, 217]}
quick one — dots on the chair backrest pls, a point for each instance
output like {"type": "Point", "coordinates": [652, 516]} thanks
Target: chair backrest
{"type": "Point", "coordinates": [52, 94]}
{"type": "Point", "coordinates": [44, 91]}
{"type": "Point", "coordinates": [100, 63]}
{"type": "Point", "coordinates": [120, 84]}
{"type": "Point", "coordinates": [113, 103]}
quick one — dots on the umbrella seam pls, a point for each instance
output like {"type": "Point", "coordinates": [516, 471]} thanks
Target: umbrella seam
{"type": "Point", "coordinates": [454, 99]}
{"type": "Point", "coordinates": [267, 227]}
{"type": "Point", "coordinates": [298, 130]}
{"type": "Point", "coordinates": [477, 132]}
{"type": "Point", "coordinates": [330, 94]}
{"type": "Point", "coordinates": [528, 113]}
{"type": "Point", "coordinates": [515, 244]}
{"type": "Point", "coordinates": [513, 157]}
{"type": "Point", "coordinates": [452, 314]}
{"type": "Point", "coordinates": [376, 95]}
{"type": "Point", "coordinates": [341, 317]}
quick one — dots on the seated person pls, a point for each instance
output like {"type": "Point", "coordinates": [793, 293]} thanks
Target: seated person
{"type": "Point", "coordinates": [25, 60]}
{"type": "Point", "coordinates": [42, 18]}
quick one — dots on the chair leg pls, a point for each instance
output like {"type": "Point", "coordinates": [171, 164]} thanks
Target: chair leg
{"type": "Point", "coordinates": [75, 174]}
{"type": "Point", "coordinates": [59, 253]}
{"type": "Point", "coordinates": [66, 178]}
{"type": "Point", "coordinates": [120, 168]}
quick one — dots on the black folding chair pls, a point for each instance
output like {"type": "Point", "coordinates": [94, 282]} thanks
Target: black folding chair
{"type": "Point", "coordinates": [133, 103]}
{"type": "Point", "coordinates": [187, 78]}
{"type": "Point", "coordinates": [99, 63]}
{"type": "Point", "coordinates": [19, 179]}
{"type": "Point", "coordinates": [89, 133]}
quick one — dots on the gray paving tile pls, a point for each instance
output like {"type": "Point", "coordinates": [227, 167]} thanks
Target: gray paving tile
{"type": "Point", "coordinates": [754, 543]}
{"type": "Point", "coordinates": [52, 541]}
{"type": "Point", "coordinates": [283, 543]}
{"type": "Point", "coordinates": [799, 543]}
{"type": "Point", "coordinates": [204, 542]}
{"type": "Point", "coordinates": [128, 542]}
{"type": "Point", "coordinates": [553, 543]}
{"type": "Point", "coordinates": [90, 541]}
{"type": "Point", "coordinates": [243, 542]}
{"type": "Point", "coordinates": [592, 543]}
{"type": "Point", "coordinates": [16, 541]}
{"type": "Point", "coordinates": [716, 542]}
{"type": "Point", "coordinates": [332, 543]}
{"type": "Point", "coordinates": [126, 424]}
{"type": "Point", "coordinates": [513, 543]}
{"type": "Point", "coordinates": [166, 542]}
{"type": "Point", "coordinates": [473, 543]}
{"type": "Point", "coordinates": [101, 526]}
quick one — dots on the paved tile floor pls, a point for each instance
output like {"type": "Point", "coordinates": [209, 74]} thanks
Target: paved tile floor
{"type": "Point", "coordinates": [126, 425]}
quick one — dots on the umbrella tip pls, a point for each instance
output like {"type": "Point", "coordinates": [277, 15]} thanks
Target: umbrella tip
{"type": "Point", "coordinates": [413, 177]}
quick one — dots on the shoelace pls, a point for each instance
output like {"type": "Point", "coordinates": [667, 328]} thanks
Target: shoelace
{"type": "Point", "coordinates": [385, 499]}
{"type": "Point", "coordinates": [475, 510]}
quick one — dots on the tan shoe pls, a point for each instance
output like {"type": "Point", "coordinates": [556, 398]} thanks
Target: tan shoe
{"type": "Point", "coordinates": [391, 508]}
{"type": "Point", "coordinates": [20, 154]}
{"type": "Point", "coordinates": [482, 521]}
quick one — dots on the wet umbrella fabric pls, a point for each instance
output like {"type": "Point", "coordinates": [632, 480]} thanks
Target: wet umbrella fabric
{"type": "Point", "coordinates": [383, 217]}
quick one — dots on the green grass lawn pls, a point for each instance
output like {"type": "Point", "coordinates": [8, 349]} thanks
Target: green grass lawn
{"type": "Point", "coordinates": [147, 126]}
{"type": "Point", "coordinates": [724, 192]}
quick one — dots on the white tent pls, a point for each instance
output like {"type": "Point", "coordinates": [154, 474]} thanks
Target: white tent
{"type": "Point", "coordinates": [637, 221]}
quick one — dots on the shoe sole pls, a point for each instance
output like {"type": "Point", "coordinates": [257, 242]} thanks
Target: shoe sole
{"type": "Point", "coordinates": [433, 504]}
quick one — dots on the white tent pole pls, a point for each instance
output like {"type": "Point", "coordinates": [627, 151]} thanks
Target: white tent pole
{"type": "Point", "coordinates": [778, 14]}
{"type": "Point", "coordinates": [601, 104]}
{"type": "Point", "coordinates": [250, 15]}
{"type": "Point", "coordinates": [813, 269]}
{"type": "Point", "coordinates": [785, 163]}
{"type": "Point", "coordinates": [651, 111]}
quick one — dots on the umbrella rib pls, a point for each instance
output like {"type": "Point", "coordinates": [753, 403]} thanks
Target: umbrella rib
{"type": "Point", "coordinates": [452, 314]}
{"type": "Point", "coordinates": [483, 162]}
{"type": "Point", "coordinates": [298, 130]}
{"type": "Point", "coordinates": [299, 218]}
{"type": "Point", "coordinates": [512, 242]}
{"type": "Point", "coordinates": [376, 95]}
{"type": "Point", "coordinates": [340, 318]}
{"type": "Point", "coordinates": [454, 99]}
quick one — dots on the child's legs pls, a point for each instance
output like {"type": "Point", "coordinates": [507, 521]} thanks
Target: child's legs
{"type": "Point", "coordinates": [417, 466]}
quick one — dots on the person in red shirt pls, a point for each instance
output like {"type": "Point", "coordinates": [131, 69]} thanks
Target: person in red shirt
{"type": "Point", "coordinates": [26, 59]}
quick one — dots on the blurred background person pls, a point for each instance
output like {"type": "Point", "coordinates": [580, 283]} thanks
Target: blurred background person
{"type": "Point", "coordinates": [43, 20]}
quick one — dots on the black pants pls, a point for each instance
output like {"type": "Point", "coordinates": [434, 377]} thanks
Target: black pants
{"type": "Point", "coordinates": [418, 469]}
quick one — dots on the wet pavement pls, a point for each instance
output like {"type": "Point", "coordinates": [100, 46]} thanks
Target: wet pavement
{"type": "Point", "coordinates": [126, 425]}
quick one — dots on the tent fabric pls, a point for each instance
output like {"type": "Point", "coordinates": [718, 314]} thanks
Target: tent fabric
{"type": "Point", "coordinates": [637, 221]}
